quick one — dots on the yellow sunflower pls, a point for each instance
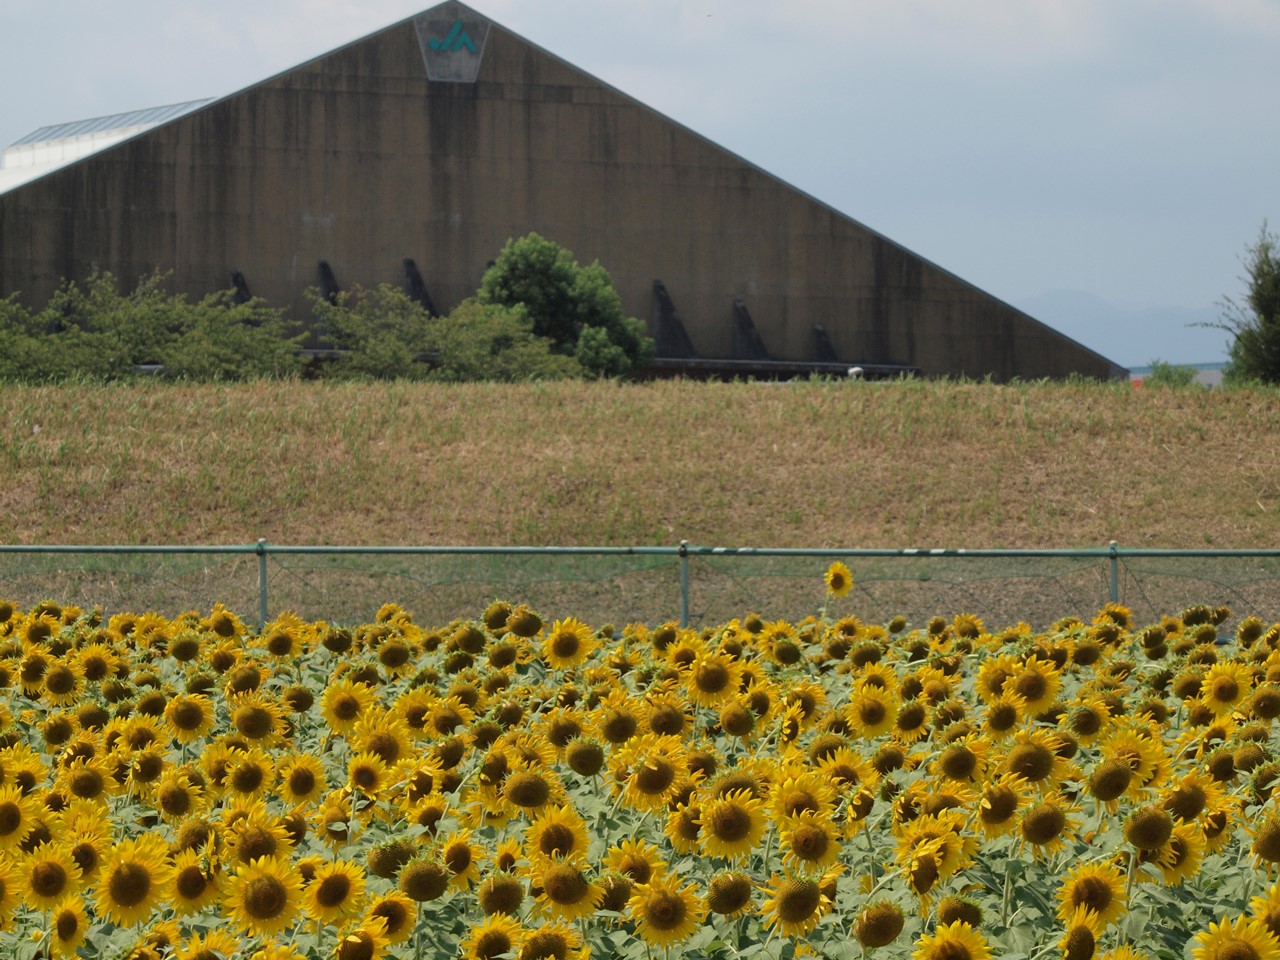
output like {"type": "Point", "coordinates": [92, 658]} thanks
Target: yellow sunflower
{"type": "Point", "coordinates": [463, 858]}
{"type": "Point", "coordinates": [367, 773]}
{"type": "Point", "coordinates": [1266, 841]}
{"type": "Point", "coordinates": [568, 644]}
{"type": "Point", "coordinates": [49, 875]}
{"type": "Point", "coordinates": [193, 886]}
{"type": "Point", "coordinates": [300, 779]}
{"type": "Point", "coordinates": [838, 578]}
{"type": "Point", "coordinates": [567, 892]}
{"type": "Point", "coordinates": [336, 893]}
{"type": "Point", "coordinates": [1047, 825]}
{"type": "Point", "coordinates": [648, 769]}
{"type": "Point", "coordinates": [952, 941]}
{"type": "Point", "coordinates": [1038, 682]}
{"type": "Point", "coordinates": [559, 833]}
{"type": "Point", "coordinates": [729, 893]}
{"type": "Point", "coordinates": [398, 913]}
{"type": "Point", "coordinates": [1098, 886]}
{"type": "Point", "coordinates": [366, 941]}
{"type": "Point", "coordinates": [68, 927]}
{"type": "Point", "coordinates": [1225, 686]}
{"type": "Point", "coordinates": [794, 904]}
{"type": "Point", "coordinates": [731, 825]}
{"type": "Point", "coordinates": [665, 912]}
{"type": "Point", "coordinates": [873, 711]}
{"type": "Point", "coordinates": [879, 924]}
{"type": "Point", "coordinates": [18, 817]}
{"type": "Point", "coordinates": [205, 946]}
{"type": "Point", "coordinates": [808, 841]}
{"type": "Point", "coordinates": [343, 703]}
{"type": "Point", "coordinates": [262, 897]}
{"type": "Point", "coordinates": [1080, 939]}
{"type": "Point", "coordinates": [714, 678]}
{"type": "Point", "coordinates": [553, 941]}
{"type": "Point", "coordinates": [1242, 937]}
{"type": "Point", "coordinates": [1182, 854]}
{"type": "Point", "coordinates": [133, 880]}
{"type": "Point", "coordinates": [498, 935]}
{"type": "Point", "coordinates": [10, 891]}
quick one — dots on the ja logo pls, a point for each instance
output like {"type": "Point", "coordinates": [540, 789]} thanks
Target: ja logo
{"type": "Point", "coordinates": [456, 40]}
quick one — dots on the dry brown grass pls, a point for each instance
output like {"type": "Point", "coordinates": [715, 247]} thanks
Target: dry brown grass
{"type": "Point", "coordinates": [807, 464]}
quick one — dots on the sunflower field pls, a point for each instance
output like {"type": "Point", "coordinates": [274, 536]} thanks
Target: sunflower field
{"type": "Point", "coordinates": [513, 786]}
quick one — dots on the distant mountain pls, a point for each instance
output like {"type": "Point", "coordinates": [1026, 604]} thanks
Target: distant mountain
{"type": "Point", "coordinates": [1131, 336]}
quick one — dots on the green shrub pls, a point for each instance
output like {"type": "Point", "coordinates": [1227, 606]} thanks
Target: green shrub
{"type": "Point", "coordinates": [479, 341]}
{"type": "Point", "coordinates": [227, 341]}
{"type": "Point", "coordinates": [93, 332]}
{"type": "Point", "coordinates": [1165, 374]}
{"type": "Point", "coordinates": [381, 334]}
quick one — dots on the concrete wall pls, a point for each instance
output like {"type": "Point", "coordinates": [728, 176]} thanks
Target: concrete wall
{"type": "Point", "coordinates": [356, 158]}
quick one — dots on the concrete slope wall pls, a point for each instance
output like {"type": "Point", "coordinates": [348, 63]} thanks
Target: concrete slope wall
{"type": "Point", "coordinates": [356, 158]}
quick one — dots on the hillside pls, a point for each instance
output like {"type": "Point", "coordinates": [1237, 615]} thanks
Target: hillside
{"type": "Point", "coordinates": [812, 464]}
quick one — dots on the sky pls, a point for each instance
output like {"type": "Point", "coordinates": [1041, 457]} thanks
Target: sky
{"type": "Point", "coordinates": [1121, 153]}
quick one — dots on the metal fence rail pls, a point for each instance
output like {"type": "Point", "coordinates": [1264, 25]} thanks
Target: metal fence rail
{"type": "Point", "coordinates": [687, 583]}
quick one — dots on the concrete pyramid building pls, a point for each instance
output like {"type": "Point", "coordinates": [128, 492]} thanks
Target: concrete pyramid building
{"type": "Point", "coordinates": [411, 156]}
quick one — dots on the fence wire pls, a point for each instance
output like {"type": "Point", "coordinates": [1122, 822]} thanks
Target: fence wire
{"type": "Point", "coordinates": [698, 585]}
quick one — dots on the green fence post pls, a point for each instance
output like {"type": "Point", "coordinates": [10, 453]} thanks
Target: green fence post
{"type": "Point", "coordinates": [684, 583]}
{"type": "Point", "coordinates": [262, 583]}
{"type": "Point", "coordinates": [1115, 572]}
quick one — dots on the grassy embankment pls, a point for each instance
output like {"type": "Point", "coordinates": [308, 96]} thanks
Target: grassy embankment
{"type": "Point", "coordinates": [811, 464]}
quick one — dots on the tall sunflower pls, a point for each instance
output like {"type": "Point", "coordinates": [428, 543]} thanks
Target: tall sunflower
{"type": "Point", "coordinates": [638, 860]}
{"type": "Point", "coordinates": [559, 833]}
{"type": "Point", "coordinates": [49, 875]}
{"type": "Point", "coordinates": [398, 913]}
{"type": "Point", "coordinates": [133, 880]}
{"type": "Point", "coordinates": [1099, 886]}
{"type": "Point", "coordinates": [809, 841]}
{"type": "Point", "coordinates": [18, 817]}
{"type": "Point", "coordinates": [665, 912]}
{"type": "Point", "coordinates": [1242, 937]}
{"type": "Point", "coordinates": [838, 579]}
{"type": "Point", "coordinates": [262, 897]}
{"type": "Point", "coordinates": [952, 941]}
{"type": "Point", "coordinates": [498, 935]}
{"type": "Point", "coordinates": [568, 644]}
{"type": "Point", "coordinates": [336, 893]}
{"type": "Point", "coordinates": [68, 927]}
{"type": "Point", "coordinates": [731, 825]}
{"type": "Point", "coordinates": [553, 941]}
{"type": "Point", "coordinates": [794, 904]}
{"type": "Point", "coordinates": [194, 885]}
{"type": "Point", "coordinates": [567, 892]}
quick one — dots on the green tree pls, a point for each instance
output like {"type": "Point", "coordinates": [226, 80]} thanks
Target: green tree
{"type": "Point", "coordinates": [1254, 354]}
{"type": "Point", "coordinates": [576, 307]}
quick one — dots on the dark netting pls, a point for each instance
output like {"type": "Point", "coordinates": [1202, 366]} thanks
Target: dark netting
{"type": "Point", "coordinates": [1001, 591]}
{"type": "Point", "coordinates": [349, 586]}
{"type": "Point", "coordinates": [165, 582]}
{"type": "Point", "coordinates": [1152, 586]}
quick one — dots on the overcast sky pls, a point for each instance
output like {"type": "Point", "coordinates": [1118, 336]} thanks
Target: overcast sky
{"type": "Point", "coordinates": [1124, 148]}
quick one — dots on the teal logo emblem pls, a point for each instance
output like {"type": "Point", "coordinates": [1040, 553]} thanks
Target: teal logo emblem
{"type": "Point", "coordinates": [457, 40]}
{"type": "Point", "coordinates": [451, 38]}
